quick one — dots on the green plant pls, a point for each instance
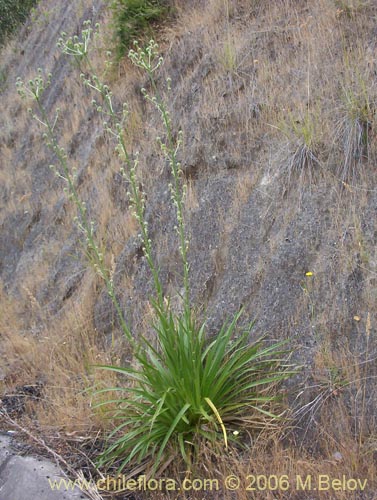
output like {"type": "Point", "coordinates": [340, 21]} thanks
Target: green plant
{"type": "Point", "coordinates": [34, 90]}
{"type": "Point", "coordinates": [228, 55]}
{"type": "Point", "coordinates": [183, 387]}
{"type": "Point", "coordinates": [302, 164]}
{"type": "Point", "coordinates": [3, 79]}
{"type": "Point", "coordinates": [12, 14]}
{"type": "Point", "coordinates": [188, 389]}
{"type": "Point", "coordinates": [132, 18]}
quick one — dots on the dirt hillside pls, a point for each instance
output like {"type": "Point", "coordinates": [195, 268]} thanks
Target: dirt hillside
{"type": "Point", "coordinates": [276, 101]}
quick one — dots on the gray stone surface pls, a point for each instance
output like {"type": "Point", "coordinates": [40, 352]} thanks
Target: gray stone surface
{"type": "Point", "coordinates": [5, 453]}
{"type": "Point", "coordinates": [27, 478]}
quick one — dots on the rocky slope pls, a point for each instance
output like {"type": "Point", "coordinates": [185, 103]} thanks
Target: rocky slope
{"type": "Point", "coordinates": [296, 247]}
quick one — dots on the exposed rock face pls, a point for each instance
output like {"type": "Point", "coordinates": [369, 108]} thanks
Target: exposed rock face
{"type": "Point", "coordinates": [250, 245]}
{"type": "Point", "coordinates": [23, 478]}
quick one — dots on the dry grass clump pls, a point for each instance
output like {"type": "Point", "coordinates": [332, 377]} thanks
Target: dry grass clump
{"type": "Point", "coordinates": [291, 58]}
{"type": "Point", "coordinates": [302, 165]}
{"type": "Point", "coordinates": [355, 130]}
{"type": "Point", "coordinates": [57, 365]}
{"type": "Point", "coordinates": [275, 467]}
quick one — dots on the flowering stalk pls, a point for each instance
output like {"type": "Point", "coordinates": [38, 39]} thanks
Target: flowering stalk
{"type": "Point", "coordinates": [186, 389]}
{"type": "Point", "coordinates": [148, 60]}
{"type": "Point", "coordinates": [114, 125]}
{"type": "Point", "coordinates": [34, 90]}
{"type": "Point", "coordinates": [78, 48]}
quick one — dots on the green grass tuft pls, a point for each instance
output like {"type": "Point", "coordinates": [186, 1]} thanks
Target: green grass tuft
{"type": "Point", "coordinates": [188, 389]}
{"type": "Point", "coordinates": [134, 18]}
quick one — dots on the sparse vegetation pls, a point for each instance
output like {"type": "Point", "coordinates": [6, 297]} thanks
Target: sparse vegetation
{"type": "Point", "coordinates": [302, 164]}
{"type": "Point", "coordinates": [354, 128]}
{"type": "Point", "coordinates": [247, 244]}
{"type": "Point", "coordinates": [351, 8]}
{"type": "Point", "coordinates": [228, 57]}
